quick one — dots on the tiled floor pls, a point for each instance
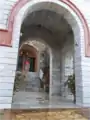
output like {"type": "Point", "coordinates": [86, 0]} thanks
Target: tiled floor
{"type": "Point", "coordinates": [27, 100]}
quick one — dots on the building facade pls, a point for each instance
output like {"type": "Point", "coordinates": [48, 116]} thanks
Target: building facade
{"type": "Point", "coordinates": [64, 26]}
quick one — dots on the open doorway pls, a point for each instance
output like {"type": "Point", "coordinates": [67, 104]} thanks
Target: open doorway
{"type": "Point", "coordinates": [27, 53]}
{"type": "Point", "coordinates": [57, 35]}
{"type": "Point", "coordinates": [33, 69]}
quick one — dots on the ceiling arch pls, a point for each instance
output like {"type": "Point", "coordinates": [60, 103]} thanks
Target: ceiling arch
{"type": "Point", "coordinates": [6, 35]}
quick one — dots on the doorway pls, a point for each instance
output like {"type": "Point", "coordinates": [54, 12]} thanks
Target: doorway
{"type": "Point", "coordinates": [32, 64]}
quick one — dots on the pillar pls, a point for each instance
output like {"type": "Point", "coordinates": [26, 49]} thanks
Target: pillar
{"type": "Point", "coordinates": [55, 73]}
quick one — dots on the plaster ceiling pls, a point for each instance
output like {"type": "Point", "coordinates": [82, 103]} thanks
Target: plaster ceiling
{"type": "Point", "coordinates": [49, 22]}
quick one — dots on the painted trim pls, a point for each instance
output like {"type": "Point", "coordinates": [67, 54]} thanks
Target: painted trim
{"type": "Point", "coordinates": [7, 35]}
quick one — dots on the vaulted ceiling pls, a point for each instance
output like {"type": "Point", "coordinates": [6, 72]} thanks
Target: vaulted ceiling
{"type": "Point", "coordinates": [47, 25]}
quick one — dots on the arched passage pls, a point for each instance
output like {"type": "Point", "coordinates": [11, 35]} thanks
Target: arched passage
{"type": "Point", "coordinates": [7, 34]}
{"type": "Point", "coordinates": [66, 10]}
{"type": "Point", "coordinates": [71, 22]}
{"type": "Point", "coordinates": [28, 52]}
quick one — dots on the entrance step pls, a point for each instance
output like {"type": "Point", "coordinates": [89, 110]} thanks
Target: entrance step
{"type": "Point", "coordinates": [34, 100]}
{"type": "Point", "coordinates": [26, 100]}
{"type": "Point", "coordinates": [31, 83]}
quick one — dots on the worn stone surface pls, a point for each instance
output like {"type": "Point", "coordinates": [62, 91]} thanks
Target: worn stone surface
{"type": "Point", "coordinates": [51, 115]}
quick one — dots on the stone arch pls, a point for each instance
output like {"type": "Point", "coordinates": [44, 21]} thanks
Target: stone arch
{"type": "Point", "coordinates": [70, 16]}
{"type": "Point", "coordinates": [32, 52]}
{"type": "Point", "coordinates": [6, 37]}
{"type": "Point", "coordinates": [36, 49]}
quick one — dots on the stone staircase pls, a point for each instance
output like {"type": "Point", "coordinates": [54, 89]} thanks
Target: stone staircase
{"type": "Point", "coordinates": [32, 83]}
{"type": "Point", "coordinates": [29, 94]}
{"type": "Point", "coordinates": [26, 100]}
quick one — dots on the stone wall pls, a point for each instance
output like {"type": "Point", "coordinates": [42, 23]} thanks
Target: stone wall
{"type": "Point", "coordinates": [62, 67]}
{"type": "Point", "coordinates": [55, 72]}
{"type": "Point", "coordinates": [67, 55]}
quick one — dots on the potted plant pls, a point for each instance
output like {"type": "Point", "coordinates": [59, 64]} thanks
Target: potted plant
{"type": "Point", "coordinates": [71, 85]}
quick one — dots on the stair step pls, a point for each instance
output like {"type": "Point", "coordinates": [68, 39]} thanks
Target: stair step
{"type": "Point", "coordinates": [32, 82]}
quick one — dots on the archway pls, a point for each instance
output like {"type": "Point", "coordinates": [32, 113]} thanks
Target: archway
{"type": "Point", "coordinates": [32, 82]}
{"type": "Point", "coordinates": [63, 9]}
{"type": "Point", "coordinates": [27, 53]}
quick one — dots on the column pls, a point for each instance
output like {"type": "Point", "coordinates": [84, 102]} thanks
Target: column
{"type": "Point", "coordinates": [56, 73]}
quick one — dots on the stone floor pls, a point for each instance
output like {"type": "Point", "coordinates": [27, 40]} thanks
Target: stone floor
{"type": "Point", "coordinates": [31, 100]}
{"type": "Point", "coordinates": [67, 114]}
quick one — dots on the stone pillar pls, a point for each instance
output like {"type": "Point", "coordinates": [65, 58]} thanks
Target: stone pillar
{"type": "Point", "coordinates": [38, 62]}
{"type": "Point", "coordinates": [62, 75]}
{"type": "Point", "coordinates": [78, 72]}
{"type": "Point", "coordinates": [50, 83]}
{"type": "Point", "coordinates": [56, 73]}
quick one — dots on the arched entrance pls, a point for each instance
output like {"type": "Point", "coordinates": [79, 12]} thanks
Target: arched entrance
{"type": "Point", "coordinates": [55, 28]}
{"type": "Point", "coordinates": [27, 52]}
{"type": "Point", "coordinates": [71, 23]}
